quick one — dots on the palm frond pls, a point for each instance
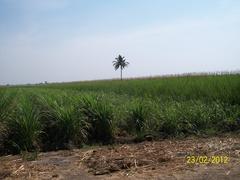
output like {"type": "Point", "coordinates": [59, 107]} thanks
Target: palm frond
{"type": "Point", "coordinates": [117, 66]}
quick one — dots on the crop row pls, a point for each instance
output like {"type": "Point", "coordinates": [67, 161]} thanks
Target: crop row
{"type": "Point", "coordinates": [224, 88]}
{"type": "Point", "coordinates": [50, 119]}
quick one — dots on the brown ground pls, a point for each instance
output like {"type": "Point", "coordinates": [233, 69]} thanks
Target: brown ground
{"type": "Point", "coordinates": [164, 159]}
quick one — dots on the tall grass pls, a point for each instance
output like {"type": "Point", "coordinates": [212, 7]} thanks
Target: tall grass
{"type": "Point", "coordinates": [6, 113]}
{"type": "Point", "coordinates": [59, 116]}
{"type": "Point", "coordinates": [6, 100]}
{"type": "Point", "coordinates": [138, 114]}
{"type": "Point", "coordinates": [196, 117]}
{"type": "Point", "coordinates": [24, 127]}
{"type": "Point", "coordinates": [63, 124]}
{"type": "Point", "coordinates": [207, 88]}
{"type": "Point", "coordinates": [99, 114]}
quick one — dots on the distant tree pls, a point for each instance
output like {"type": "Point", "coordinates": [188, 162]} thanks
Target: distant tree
{"type": "Point", "coordinates": [120, 63]}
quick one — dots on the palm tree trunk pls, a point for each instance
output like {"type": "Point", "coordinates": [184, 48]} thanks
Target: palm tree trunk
{"type": "Point", "coordinates": [121, 73]}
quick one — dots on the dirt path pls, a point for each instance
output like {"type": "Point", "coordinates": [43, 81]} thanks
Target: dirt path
{"type": "Point", "coordinates": [164, 159]}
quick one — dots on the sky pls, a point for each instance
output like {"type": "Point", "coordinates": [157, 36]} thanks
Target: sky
{"type": "Point", "coordinates": [74, 40]}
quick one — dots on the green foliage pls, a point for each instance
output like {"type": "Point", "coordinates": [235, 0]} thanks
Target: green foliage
{"type": "Point", "coordinates": [6, 110]}
{"type": "Point", "coordinates": [196, 117]}
{"type": "Point", "coordinates": [184, 118]}
{"type": "Point", "coordinates": [56, 116]}
{"type": "Point", "coordinates": [99, 114]}
{"type": "Point", "coordinates": [137, 117]}
{"type": "Point", "coordinates": [6, 101]}
{"type": "Point", "coordinates": [63, 124]}
{"type": "Point", "coordinates": [207, 88]}
{"type": "Point", "coordinates": [24, 127]}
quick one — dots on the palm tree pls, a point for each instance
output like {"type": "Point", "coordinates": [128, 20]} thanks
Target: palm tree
{"type": "Point", "coordinates": [120, 62]}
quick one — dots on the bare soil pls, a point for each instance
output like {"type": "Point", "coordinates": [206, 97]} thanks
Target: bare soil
{"type": "Point", "coordinates": [162, 159]}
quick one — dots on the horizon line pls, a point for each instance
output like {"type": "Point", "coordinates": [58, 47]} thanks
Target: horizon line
{"type": "Point", "coordinates": [232, 72]}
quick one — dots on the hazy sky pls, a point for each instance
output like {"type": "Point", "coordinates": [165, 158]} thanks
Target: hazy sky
{"type": "Point", "coordinates": [70, 40]}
